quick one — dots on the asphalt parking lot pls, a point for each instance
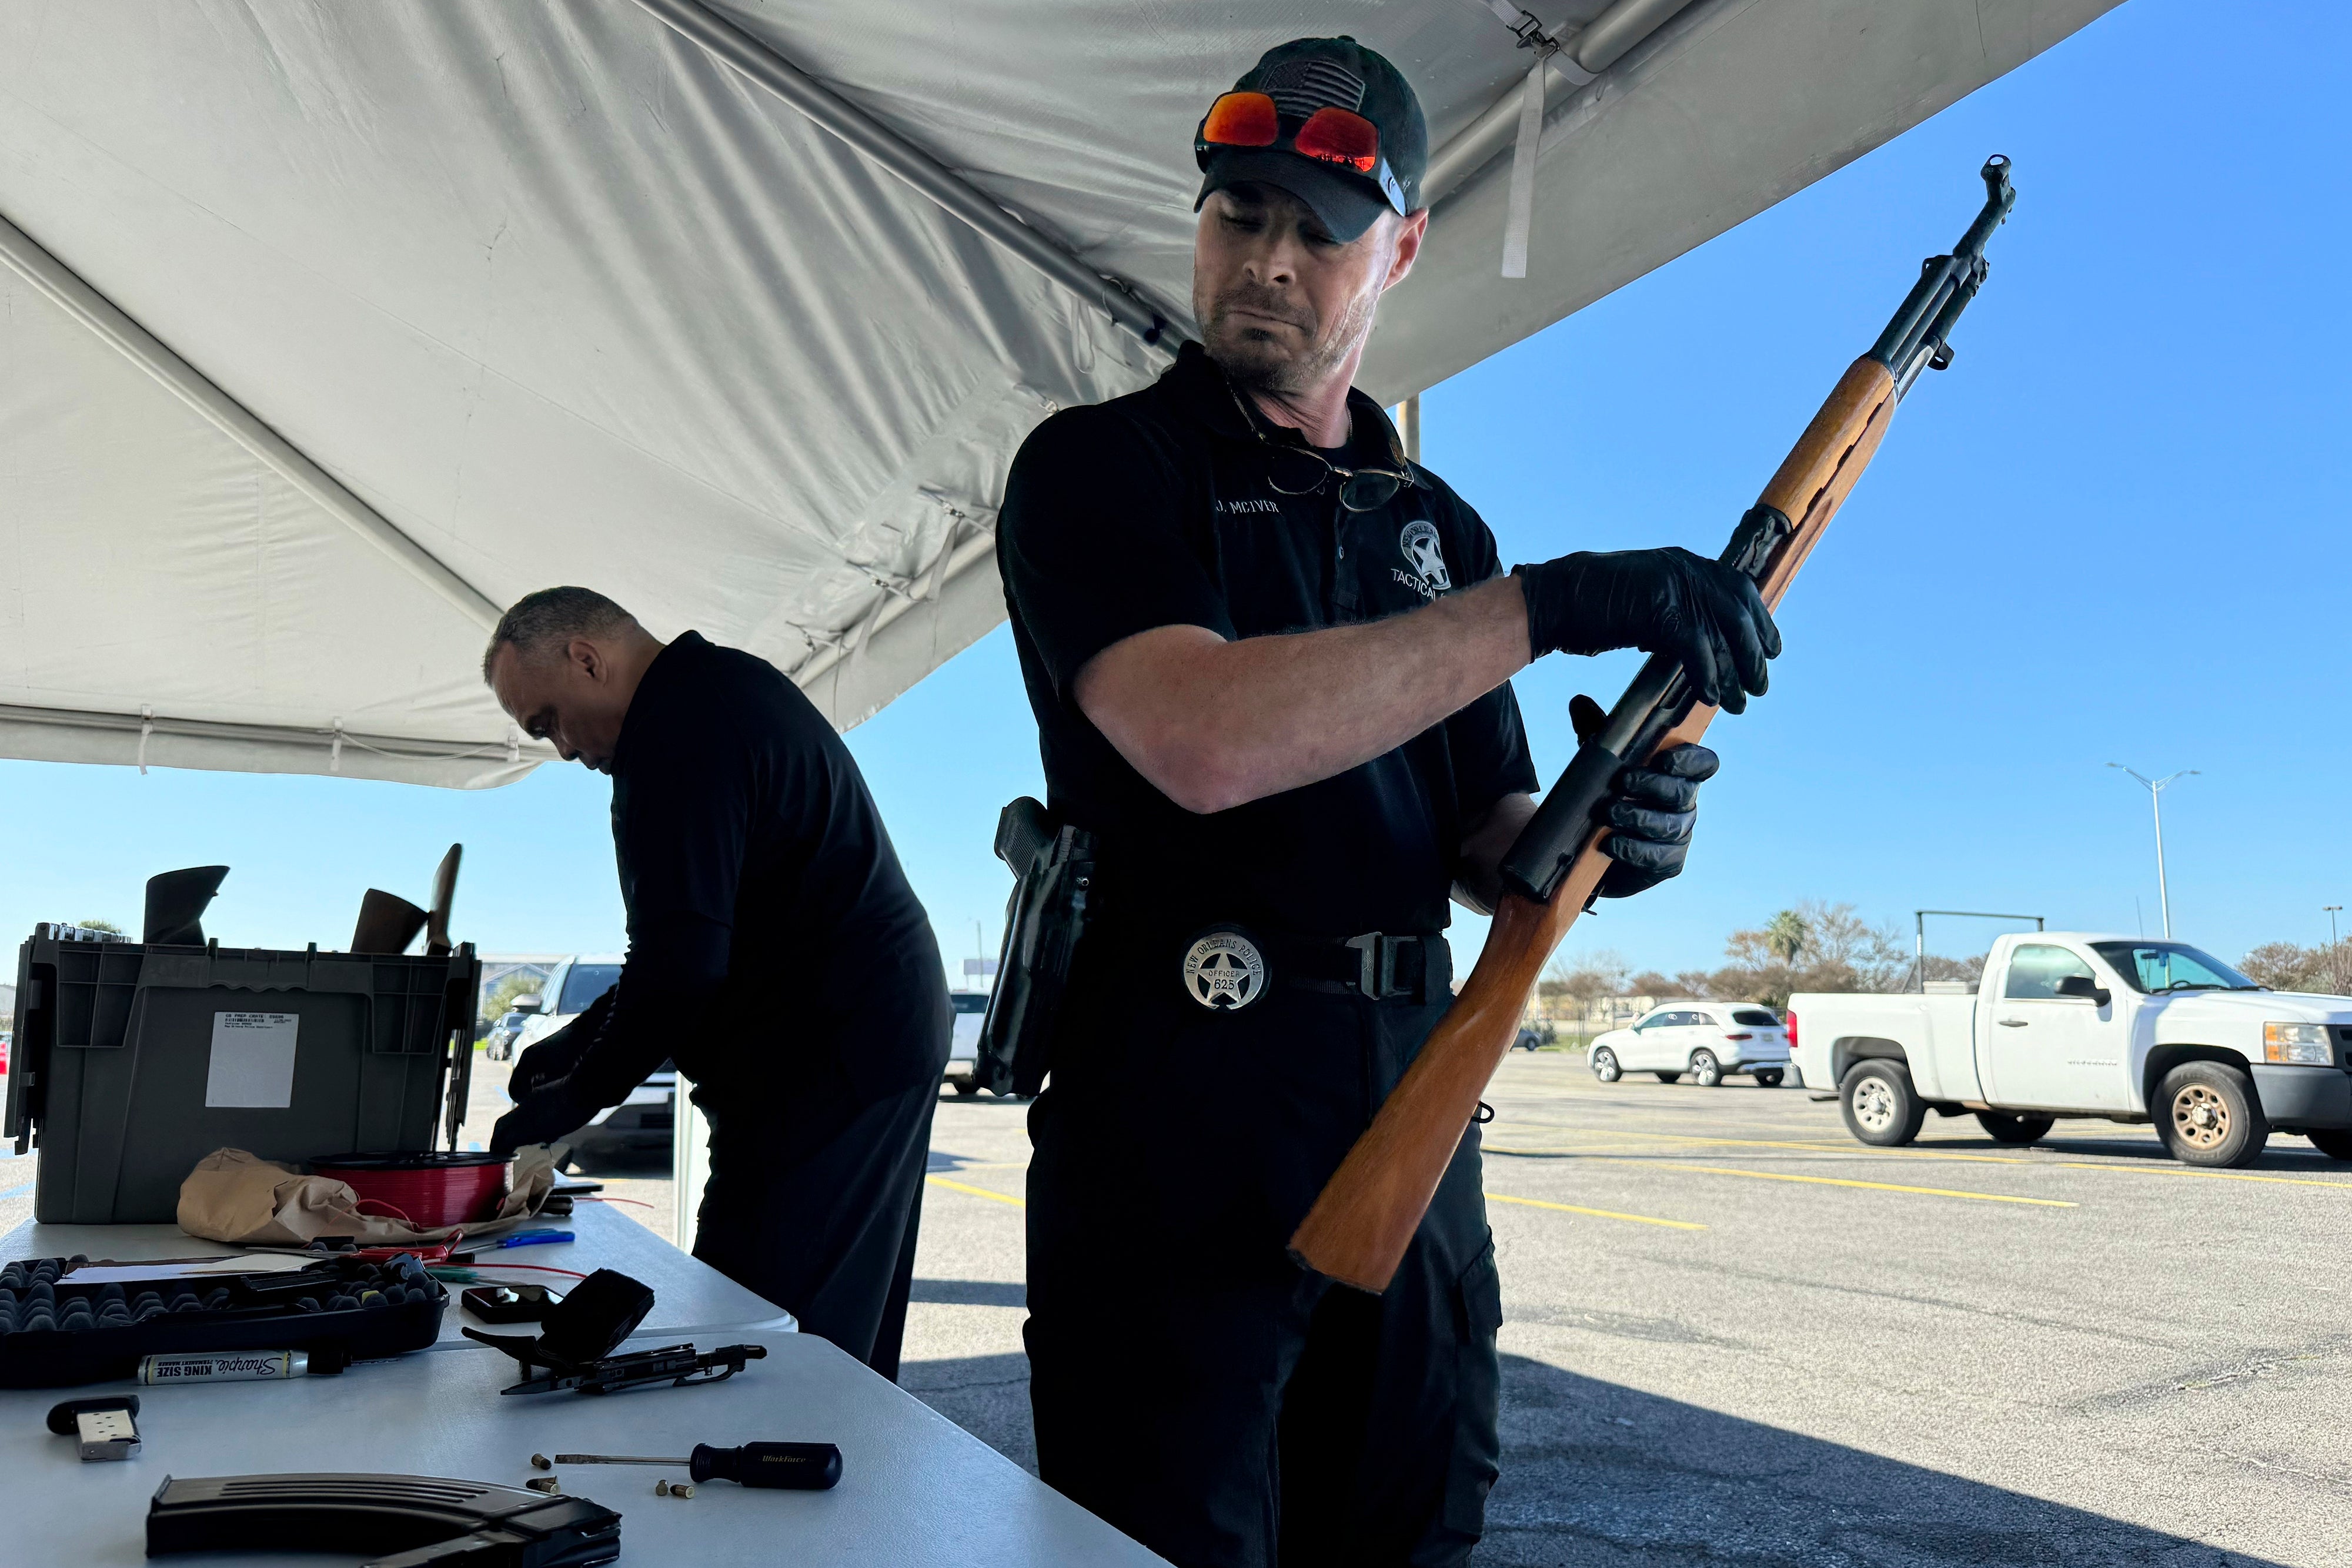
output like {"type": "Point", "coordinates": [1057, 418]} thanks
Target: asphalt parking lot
{"type": "Point", "coordinates": [1735, 1335]}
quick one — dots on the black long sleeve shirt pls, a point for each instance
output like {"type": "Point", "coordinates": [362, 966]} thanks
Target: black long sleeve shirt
{"type": "Point", "coordinates": [771, 931]}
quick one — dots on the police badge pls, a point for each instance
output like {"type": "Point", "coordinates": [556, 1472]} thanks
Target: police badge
{"type": "Point", "coordinates": [1224, 970]}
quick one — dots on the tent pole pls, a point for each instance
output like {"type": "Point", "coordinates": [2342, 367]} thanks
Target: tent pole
{"type": "Point", "coordinates": [760, 62]}
{"type": "Point", "coordinates": [62, 287]}
{"type": "Point", "coordinates": [400, 746]}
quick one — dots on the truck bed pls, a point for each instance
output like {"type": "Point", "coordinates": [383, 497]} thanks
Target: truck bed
{"type": "Point", "coordinates": [1935, 1034]}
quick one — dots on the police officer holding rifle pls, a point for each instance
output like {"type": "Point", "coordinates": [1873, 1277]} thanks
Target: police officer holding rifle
{"type": "Point", "coordinates": [1269, 659]}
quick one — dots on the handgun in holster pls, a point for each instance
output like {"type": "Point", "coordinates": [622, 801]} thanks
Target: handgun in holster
{"type": "Point", "coordinates": [1053, 865]}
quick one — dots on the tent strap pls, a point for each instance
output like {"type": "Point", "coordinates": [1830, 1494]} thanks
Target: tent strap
{"type": "Point", "coordinates": [1578, 56]}
{"type": "Point", "coordinates": [761, 62]}
{"type": "Point", "coordinates": [64, 288]}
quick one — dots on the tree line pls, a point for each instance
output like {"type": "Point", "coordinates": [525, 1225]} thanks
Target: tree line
{"type": "Point", "coordinates": [1822, 947]}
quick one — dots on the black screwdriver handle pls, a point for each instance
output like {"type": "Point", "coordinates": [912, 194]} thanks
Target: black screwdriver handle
{"type": "Point", "coordinates": [799, 1466]}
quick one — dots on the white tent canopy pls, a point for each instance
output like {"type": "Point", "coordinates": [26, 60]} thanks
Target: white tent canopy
{"type": "Point", "coordinates": [329, 329]}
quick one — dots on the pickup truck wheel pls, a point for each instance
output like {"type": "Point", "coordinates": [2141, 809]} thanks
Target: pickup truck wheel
{"type": "Point", "coordinates": [1604, 1065]}
{"type": "Point", "coordinates": [1705, 1070]}
{"type": "Point", "coordinates": [1667, 1077]}
{"type": "Point", "coordinates": [1769, 1078]}
{"type": "Point", "coordinates": [1879, 1103]}
{"type": "Point", "coordinates": [965, 1088]}
{"type": "Point", "coordinates": [2207, 1116]}
{"type": "Point", "coordinates": [2008, 1129]}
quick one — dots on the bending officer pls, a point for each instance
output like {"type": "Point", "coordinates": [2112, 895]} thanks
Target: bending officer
{"type": "Point", "coordinates": [1269, 660]}
{"type": "Point", "coordinates": [776, 953]}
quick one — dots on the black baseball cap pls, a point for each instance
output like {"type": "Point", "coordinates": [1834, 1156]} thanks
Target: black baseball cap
{"type": "Point", "coordinates": [1309, 74]}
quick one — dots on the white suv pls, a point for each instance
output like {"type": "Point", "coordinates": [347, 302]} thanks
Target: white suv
{"type": "Point", "coordinates": [1704, 1040]}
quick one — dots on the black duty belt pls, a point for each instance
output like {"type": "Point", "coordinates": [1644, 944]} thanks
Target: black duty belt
{"type": "Point", "coordinates": [1379, 964]}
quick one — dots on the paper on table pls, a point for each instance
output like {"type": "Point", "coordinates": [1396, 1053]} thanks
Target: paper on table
{"type": "Point", "coordinates": [187, 1267]}
{"type": "Point", "coordinates": [252, 1061]}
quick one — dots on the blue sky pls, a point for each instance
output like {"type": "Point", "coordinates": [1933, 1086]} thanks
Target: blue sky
{"type": "Point", "coordinates": [2113, 531]}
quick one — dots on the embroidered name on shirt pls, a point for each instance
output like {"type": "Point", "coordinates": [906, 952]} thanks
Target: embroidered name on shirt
{"type": "Point", "coordinates": [1249, 506]}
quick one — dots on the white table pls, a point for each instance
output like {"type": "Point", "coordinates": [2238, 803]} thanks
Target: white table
{"type": "Point", "coordinates": [916, 1490]}
{"type": "Point", "coordinates": [691, 1297]}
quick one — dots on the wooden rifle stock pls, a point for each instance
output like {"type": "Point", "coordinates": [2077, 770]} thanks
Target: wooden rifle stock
{"type": "Point", "coordinates": [1365, 1219]}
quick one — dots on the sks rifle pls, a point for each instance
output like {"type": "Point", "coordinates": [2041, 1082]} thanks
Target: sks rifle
{"type": "Point", "coordinates": [1358, 1231]}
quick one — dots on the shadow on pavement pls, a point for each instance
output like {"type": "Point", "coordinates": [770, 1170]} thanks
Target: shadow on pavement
{"type": "Point", "coordinates": [970, 1293]}
{"type": "Point", "coordinates": [1599, 1476]}
{"type": "Point", "coordinates": [1596, 1474]}
{"type": "Point", "coordinates": [2287, 1155]}
{"type": "Point", "coordinates": [987, 1395]}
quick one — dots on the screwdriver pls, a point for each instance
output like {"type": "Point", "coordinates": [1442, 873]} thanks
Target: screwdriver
{"type": "Point", "coordinates": [802, 1467]}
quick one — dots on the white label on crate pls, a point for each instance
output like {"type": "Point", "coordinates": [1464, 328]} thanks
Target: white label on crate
{"type": "Point", "coordinates": [253, 1061]}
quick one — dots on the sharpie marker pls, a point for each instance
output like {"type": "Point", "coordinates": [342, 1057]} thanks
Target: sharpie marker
{"type": "Point", "coordinates": [228, 1367]}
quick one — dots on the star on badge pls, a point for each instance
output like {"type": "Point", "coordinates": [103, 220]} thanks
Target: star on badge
{"type": "Point", "coordinates": [1224, 977]}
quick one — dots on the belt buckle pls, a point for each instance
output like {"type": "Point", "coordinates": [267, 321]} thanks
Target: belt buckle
{"type": "Point", "coordinates": [1376, 971]}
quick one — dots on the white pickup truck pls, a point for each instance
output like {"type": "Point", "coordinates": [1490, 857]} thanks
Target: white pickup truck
{"type": "Point", "coordinates": [2066, 1024]}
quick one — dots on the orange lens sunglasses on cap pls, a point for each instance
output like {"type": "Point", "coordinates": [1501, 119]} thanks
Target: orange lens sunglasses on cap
{"type": "Point", "coordinates": [1338, 136]}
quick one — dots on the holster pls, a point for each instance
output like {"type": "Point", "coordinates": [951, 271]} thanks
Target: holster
{"type": "Point", "coordinates": [1053, 865]}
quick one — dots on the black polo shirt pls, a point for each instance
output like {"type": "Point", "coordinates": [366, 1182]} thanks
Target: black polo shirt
{"type": "Point", "coordinates": [773, 940]}
{"type": "Point", "coordinates": [1154, 509]}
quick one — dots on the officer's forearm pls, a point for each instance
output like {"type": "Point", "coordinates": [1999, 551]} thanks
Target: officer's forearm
{"type": "Point", "coordinates": [1213, 724]}
{"type": "Point", "coordinates": [1478, 875]}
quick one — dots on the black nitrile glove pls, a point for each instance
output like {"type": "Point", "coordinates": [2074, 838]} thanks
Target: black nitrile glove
{"type": "Point", "coordinates": [1669, 601]}
{"type": "Point", "coordinates": [548, 1114]}
{"type": "Point", "coordinates": [555, 1055]}
{"type": "Point", "coordinates": [549, 1060]}
{"type": "Point", "coordinates": [1651, 814]}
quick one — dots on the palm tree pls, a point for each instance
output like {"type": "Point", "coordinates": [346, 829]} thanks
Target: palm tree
{"type": "Point", "coordinates": [1785, 936]}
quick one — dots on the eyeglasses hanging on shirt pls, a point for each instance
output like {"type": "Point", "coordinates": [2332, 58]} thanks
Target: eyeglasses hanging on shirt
{"type": "Point", "coordinates": [1302, 471]}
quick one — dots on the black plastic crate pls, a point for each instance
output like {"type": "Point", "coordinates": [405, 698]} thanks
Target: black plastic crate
{"type": "Point", "coordinates": [133, 1062]}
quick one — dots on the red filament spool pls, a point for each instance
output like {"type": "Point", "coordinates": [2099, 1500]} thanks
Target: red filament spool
{"type": "Point", "coordinates": [427, 1189]}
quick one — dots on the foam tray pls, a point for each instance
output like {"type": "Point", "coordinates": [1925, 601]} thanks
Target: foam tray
{"type": "Point", "coordinates": [54, 1332]}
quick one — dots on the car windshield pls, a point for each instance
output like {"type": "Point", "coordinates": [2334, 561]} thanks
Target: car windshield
{"type": "Point", "coordinates": [1755, 1017]}
{"type": "Point", "coordinates": [2157, 967]}
{"type": "Point", "coordinates": [584, 984]}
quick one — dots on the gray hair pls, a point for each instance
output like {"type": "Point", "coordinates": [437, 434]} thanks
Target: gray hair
{"type": "Point", "coordinates": [539, 624]}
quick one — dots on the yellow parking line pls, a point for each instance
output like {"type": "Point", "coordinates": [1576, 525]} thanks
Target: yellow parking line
{"type": "Point", "coordinates": [1596, 1213]}
{"type": "Point", "coordinates": [1865, 1150]}
{"type": "Point", "coordinates": [977, 1191]}
{"type": "Point", "coordinates": [1873, 1186]}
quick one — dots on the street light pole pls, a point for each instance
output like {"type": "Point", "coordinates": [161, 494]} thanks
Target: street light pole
{"type": "Point", "coordinates": [2156, 801]}
{"type": "Point", "coordinates": [2334, 972]}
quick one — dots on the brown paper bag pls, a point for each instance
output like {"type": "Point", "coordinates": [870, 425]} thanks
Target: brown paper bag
{"type": "Point", "coordinates": [235, 1197]}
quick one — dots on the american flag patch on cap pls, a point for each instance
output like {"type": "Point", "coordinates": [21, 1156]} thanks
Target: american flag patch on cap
{"type": "Point", "coordinates": [1299, 88]}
